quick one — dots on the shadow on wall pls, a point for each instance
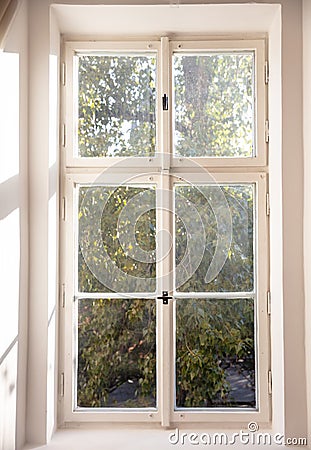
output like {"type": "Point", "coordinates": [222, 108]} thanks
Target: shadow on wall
{"type": "Point", "coordinates": [9, 196]}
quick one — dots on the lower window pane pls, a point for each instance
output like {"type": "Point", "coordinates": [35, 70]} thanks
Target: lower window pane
{"type": "Point", "coordinates": [116, 353]}
{"type": "Point", "coordinates": [215, 357]}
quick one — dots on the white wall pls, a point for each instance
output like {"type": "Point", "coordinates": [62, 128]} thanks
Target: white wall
{"type": "Point", "coordinates": [43, 225]}
{"type": "Point", "coordinates": [294, 419]}
{"type": "Point", "coordinates": [307, 190]}
{"type": "Point", "coordinates": [276, 196]}
{"type": "Point", "coordinates": [41, 356]}
{"type": "Point", "coordinates": [13, 233]}
{"type": "Point", "coordinates": [292, 170]}
{"type": "Point", "coordinates": [288, 353]}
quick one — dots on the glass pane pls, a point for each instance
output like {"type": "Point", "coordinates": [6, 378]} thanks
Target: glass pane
{"type": "Point", "coordinates": [117, 105]}
{"type": "Point", "coordinates": [215, 356]}
{"type": "Point", "coordinates": [116, 353]}
{"type": "Point", "coordinates": [214, 104]}
{"type": "Point", "coordinates": [117, 227]}
{"type": "Point", "coordinates": [221, 219]}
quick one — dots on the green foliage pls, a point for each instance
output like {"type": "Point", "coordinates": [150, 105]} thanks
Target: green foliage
{"type": "Point", "coordinates": [116, 343]}
{"type": "Point", "coordinates": [111, 201]}
{"type": "Point", "coordinates": [214, 105]}
{"type": "Point", "coordinates": [211, 336]}
{"type": "Point", "coordinates": [117, 105]}
{"type": "Point", "coordinates": [117, 337]}
{"type": "Point", "coordinates": [237, 272]}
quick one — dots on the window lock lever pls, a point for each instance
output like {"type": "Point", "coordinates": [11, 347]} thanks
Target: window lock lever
{"type": "Point", "coordinates": [165, 102]}
{"type": "Point", "coordinates": [165, 297]}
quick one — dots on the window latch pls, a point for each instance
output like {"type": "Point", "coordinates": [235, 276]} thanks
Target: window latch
{"type": "Point", "coordinates": [165, 297]}
{"type": "Point", "coordinates": [165, 102]}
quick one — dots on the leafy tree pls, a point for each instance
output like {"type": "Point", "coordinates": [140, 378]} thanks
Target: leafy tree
{"type": "Point", "coordinates": [111, 201]}
{"type": "Point", "coordinates": [116, 346]}
{"type": "Point", "coordinates": [117, 337]}
{"type": "Point", "coordinates": [117, 105]}
{"type": "Point", "coordinates": [237, 272]}
{"type": "Point", "coordinates": [212, 336]}
{"type": "Point", "coordinates": [214, 105]}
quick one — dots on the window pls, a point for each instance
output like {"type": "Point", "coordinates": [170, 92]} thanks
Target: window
{"type": "Point", "coordinates": [165, 232]}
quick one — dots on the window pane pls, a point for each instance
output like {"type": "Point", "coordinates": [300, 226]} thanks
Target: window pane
{"type": "Point", "coordinates": [116, 353]}
{"type": "Point", "coordinates": [117, 105]}
{"type": "Point", "coordinates": [226, 215]}
{"type": "Point", "coordinates": [117, 227]}
{"type": "Point", "coordinates": [214, 104]}
{"type": "Point", "coordinates": [215, 357]}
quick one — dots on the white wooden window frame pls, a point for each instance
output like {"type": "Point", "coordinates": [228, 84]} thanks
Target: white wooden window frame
{"type": "Point", "coordinates": [164, 50]}
{"type": "Point", "coordinates": [69, 127]}
{"type": "Point", "coordinates": [224, 170]}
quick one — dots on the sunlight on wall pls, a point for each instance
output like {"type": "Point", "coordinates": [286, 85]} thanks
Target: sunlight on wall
{"type": "Point", "coordinates": [9, 244]}
{"type": "Point", "coordinates": [8, 375]}
{"type": "Point", "coordinates": [9, 115]}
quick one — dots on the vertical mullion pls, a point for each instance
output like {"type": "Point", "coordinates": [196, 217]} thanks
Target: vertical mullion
{"type": "Point", "coordinates": [164, 255]}
{"type": "Point", "coordinates": [165, 114]}
{"type": "Point", "coordinates": [165, 310]}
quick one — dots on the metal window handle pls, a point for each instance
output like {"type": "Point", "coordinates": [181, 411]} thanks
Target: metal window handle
{"type": "Point", "coordinates": [165, 297]}
{"type": "Point", "coordinates": [165, 102]}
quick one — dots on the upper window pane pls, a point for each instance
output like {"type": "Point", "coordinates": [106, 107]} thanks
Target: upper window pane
{"type": "Point", "coordinates": [116, 105]}
{"type": "Point", "coordinates": [214, 104]}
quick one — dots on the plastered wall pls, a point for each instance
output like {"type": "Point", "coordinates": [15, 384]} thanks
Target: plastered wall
{"type": "Point", "coordinates": [29, 220]}
{"type": "Point", "coordinates": [14, 232]}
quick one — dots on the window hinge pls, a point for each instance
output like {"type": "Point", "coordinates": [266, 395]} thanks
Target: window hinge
{"type": "Point", "coordinates": [269, 303]}
{"type": "Point", "coordinates": [267, 133]}
{"type": "Point", "coordinates": [63, 137]}
{"type": "Point", "coordinates": [64, 208]}
{"type": "Point", "coordinates": [268, 204]}
{"type": "Point", "coordinates": [165, 102]}
{"type": "Point", "coordinates": [62, 296]}
{"type": "Point", "coordinates": [270, 382]}
{"type": "Point", "coordinates": [63, 73]}
{"type": "Point", "coordinates": [61, 384]}
{"type": "Point", "coordinates": [266, 72]}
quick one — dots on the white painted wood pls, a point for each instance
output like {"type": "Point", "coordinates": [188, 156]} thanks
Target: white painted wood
{"type": "Point", "coordinates": [164, 171]}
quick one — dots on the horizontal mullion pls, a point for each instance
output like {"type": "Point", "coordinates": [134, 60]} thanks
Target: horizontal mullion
{"type": "Point", "coordinates": [153, 165]}
{"type": "Point", "coordinates": [114, 163]}
{"type": "Point", "coordinates": [182, 43]}
{"type": "Point", "coordinates": [114, 410]}
{"type": "Point", "coordinates": [198, 167]}
{"type": "Point", "coordinates": [224, 295]}
{"type": "Point", "coordinates": [100, 46]}
{"type": "Point", "coordinates": [113, 179]}
{"type": "Point", "coordinates": [97, 415]}
{"type": "Point", "coordinates": [106, 295]}
{"type": "Point", "coordinates": [221, 295]}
